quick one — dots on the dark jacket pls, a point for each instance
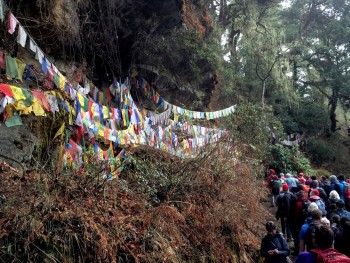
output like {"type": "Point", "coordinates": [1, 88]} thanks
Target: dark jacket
{"type": "Point", "coordinates": [285, 202]}
{"type": "Point", "coordinates": [272, 242]}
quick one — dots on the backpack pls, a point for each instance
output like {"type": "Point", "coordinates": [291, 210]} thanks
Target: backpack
{"type": "Point", "coordinates": [306, 189]}
{"type": "Point", "coordinates": [327, 187]}
{"type": "Point", "coordinates": [347, 192]}
{"type": "Point", "coordinates": [342, 187]}
{"type": "Point", "coordinates": [276, 185]}
{"type": "Point", "coordinates": [330, 255]}
{"type": "Point", "coordinates": [321, 205]}
{"type": "Point", "coordinates": [301, 208]}
{"type": "Point", "coordinates": [310, 236]}
{"type": "Point", "coordinates": [284, 201]}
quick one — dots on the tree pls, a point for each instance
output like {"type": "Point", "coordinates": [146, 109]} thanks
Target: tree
{"type": "Point", "coordinates": [323, 50]}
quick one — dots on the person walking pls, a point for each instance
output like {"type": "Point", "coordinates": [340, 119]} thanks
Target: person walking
{"type": "Point", "coordinates": [323, 252]}
{"type": "Point", "coordinates": [274, 247]}
{"type": "Point", "coordinates": [285, 201]}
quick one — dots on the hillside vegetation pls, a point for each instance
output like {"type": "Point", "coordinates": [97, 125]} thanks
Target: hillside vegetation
{"type": "Point", "coordinates": [286, 70]}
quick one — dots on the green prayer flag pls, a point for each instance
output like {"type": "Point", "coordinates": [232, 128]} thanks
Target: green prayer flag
{"type": "Point", "coordinates": [11, 67]}
{"type": "Point", "coordinates": [83, 144]}
{"type": "Point", "coordinates": [29, 97]}
{"type": "Point", "coordinates": [86, 104]}
{"type": "Point", "coordinates": [13, 121]}
{"type": "Point", "coordinates": [56, 79]}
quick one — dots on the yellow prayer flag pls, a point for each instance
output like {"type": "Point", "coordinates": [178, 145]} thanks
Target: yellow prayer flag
{"type": "Point", "coordinates": [17, 93]}
{"type": "Point", "coordinates": [81, 99]}
{"type": "Point", "coordinates": [176, 117]}
{"type": "Point", "coordinates": [60, 130]}
{"type": "Point", "coordinates": [20, 106]}
{"type": "Point", "coordinates": [61, 81]}
{"type": "Point", "coordinates": [37, 109]}
{"type": "Point", "coordinates": [70, 119]}
{"type": "Point", "coordinates": [105, 112]}
{"type": "Point", "coordinates": [134, 73]}
{"type": "Point", "coordinates": [100, 97]}
{"type": "Point", "coordinates": [9, 111]}
{"type": "Point", "coordinates": [100, 131]}
{"type": "Point", "coordinates": [21, 67]}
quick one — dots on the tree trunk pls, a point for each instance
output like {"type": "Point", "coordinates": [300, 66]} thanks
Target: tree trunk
{"type": "Point", "coordinates": [333, 106]}
{"type": "Point", "coordinates": [263, 93]}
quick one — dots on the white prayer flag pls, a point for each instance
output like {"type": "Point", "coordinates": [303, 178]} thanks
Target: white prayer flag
{"type": "Point", "coordinates": [22, 36]}
{"type": "Point", "coordinates": [32, 45]}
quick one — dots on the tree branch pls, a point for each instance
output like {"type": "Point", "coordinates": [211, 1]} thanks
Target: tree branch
{"type": "Point", "coordinates": [316, 85]}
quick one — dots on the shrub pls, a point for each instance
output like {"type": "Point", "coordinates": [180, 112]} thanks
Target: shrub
{"type": "Point", "coordinates": [320, 151]}
{"type": "Point", "coordinates": [286, 158]}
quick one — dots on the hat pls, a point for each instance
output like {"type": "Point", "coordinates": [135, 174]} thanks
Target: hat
{"type": "Point", "coordinates": [272, 171]}
{"type": "Point", "coordinates": [340, 203]}
{"type": "Point", "coordinates": [315, 192]}
{"type": "Point", "coordinates": [312, 207]}
{"type": "Point", "coordinates": [332, 178]}
{"type": "Point", "coordinates": [288, 175]}
{"type": "Point", "coordinates": [300, 174]}
{"type": "Point", "coordinates": [281, 174]}
{"type": "Point", "coordinates": [301, 180]}
{"type": "Point", "coordinates": [285, 187]}
{"type": "Point", "coordinates": [270, 226]}
{"type": "Point", "coordinates": [275, 177]}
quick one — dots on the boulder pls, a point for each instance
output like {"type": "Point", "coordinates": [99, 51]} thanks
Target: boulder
{"type": "Point", "coordinates": [17, 144]}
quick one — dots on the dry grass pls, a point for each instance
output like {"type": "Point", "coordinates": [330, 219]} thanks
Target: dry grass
{"type": "Point", "coordinates": [210, 213]}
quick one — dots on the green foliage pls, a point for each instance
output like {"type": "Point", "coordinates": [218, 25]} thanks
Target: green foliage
{"type": "Point", "coordinates": [151, 178]}
{"type": "Point", "coordinates": [252, 127]}
{"type": "Point", "coordinates": [291, 159]}
{"type": "Point", "coordinates": [322, 61]}
{"type": "Point", "coordinates": [320, 151]}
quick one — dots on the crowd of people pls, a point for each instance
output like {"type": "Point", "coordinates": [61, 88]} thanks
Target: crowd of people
{"type": "Point", "coordinates": [314, 216]}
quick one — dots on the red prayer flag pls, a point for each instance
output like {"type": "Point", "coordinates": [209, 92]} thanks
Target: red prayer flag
{"type": "Point", "coordinates": [6, 89]}
{"type": "Point", "coordinates": [40, 96]}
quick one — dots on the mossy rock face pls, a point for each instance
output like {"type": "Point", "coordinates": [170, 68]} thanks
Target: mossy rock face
{"type": "Point", "coordinates": [16, 145]}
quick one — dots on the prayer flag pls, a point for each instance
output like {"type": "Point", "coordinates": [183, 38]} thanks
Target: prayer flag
{"type": "Point", "coordinates": [11, 23]}
{"type": "Point", "coordinates": [32, 45]}
{"type": "Point", "coordinates": [6, 89]}
{"type": "Point", "coordinates": [11, 67]}
{"type": "Point", "coordinates": [60, 130]}
{"type": "Point", "coordinates": [21, 67]}
{"type": "Point", "coordinates": [22, 36]}
{"type": "Point", "coordinates": [14, 120]}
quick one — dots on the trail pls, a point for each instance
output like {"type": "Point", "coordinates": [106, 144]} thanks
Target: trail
{"type": "Point", "coordinates": [272, 210]}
